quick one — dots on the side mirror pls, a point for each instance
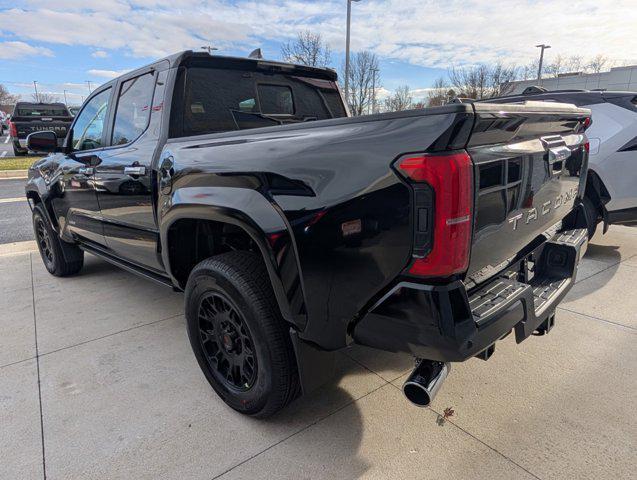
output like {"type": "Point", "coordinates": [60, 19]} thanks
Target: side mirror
{"type": "Point", "coordinates": [42, 141]}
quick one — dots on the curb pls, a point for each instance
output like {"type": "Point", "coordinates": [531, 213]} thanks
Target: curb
{"type": "Point", "coordinates": [8, 174]}
{"type": "Point", "coordinates": [16, 248]}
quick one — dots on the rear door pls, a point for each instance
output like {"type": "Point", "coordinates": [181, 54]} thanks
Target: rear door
{"type": "Point", "coordinates": [124, 178]}
{"type": "Point", "coordinates": [530, 168]}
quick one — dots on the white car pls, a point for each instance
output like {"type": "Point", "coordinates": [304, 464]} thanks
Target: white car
{"type": "Point", "coordinates": [611, 188]}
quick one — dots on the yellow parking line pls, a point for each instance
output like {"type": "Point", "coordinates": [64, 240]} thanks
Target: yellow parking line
{"type": "Point", "coordinates": [11, 200]}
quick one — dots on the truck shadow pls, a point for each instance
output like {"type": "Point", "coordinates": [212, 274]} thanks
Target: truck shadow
{"type": "Point", "coordinates": [326, 426]}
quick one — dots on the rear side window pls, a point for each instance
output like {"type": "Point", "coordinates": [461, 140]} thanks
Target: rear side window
{"type": "Point", "coordinates": [211, 100]}
{"type": "Point", "coordinates": [133, 109]}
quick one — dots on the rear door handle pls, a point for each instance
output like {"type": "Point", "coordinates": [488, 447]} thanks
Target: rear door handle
{"type": "Point", "coordinates": [85, 170]}
{"type": "Point", "coordinates": [135, 170]}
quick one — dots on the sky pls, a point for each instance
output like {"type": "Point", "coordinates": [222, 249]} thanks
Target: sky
{"type": "Point", "coordinates": [64, 44]}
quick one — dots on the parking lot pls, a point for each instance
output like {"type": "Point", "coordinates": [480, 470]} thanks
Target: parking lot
{"type": "Point", "coordinates": [97, 380]}
{"type": "Point", "coordinates": [6, 149]}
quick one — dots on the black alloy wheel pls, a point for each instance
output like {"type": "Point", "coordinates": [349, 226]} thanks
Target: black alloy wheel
{"type": "Point", "coordinates": [226, 342]}
{"type": "Point", "coordinates": [44, 242]}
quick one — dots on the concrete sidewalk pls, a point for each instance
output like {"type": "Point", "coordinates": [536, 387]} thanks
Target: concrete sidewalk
{"type": "Point", "coordinates": [97, 380]}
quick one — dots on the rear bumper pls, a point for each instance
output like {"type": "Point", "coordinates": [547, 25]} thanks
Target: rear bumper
{"type": "Point", "coordinates": [448, 324]}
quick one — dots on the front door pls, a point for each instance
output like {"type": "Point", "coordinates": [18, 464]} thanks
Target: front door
{"type": "Point", "coordinates": [124, 177]}
{"type": "Point", "coordinates": [74, 199]}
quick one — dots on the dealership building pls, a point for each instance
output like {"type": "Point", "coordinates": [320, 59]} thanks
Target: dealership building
{"type": "Point", "coordinates": [619, 78]}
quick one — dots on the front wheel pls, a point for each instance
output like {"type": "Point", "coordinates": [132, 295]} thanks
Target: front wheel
{"type": "Point", "coordinates": [239, 338]}
{"type": "Point", "coordinates": [60, 258]}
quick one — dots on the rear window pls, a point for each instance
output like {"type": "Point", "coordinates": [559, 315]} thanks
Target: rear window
{"type": "Point", "coordinates": [211, 100]}
{"type": "Point", "coordinates": [42, 111]}
{"type": "Point", "coordinates": [276, 99]}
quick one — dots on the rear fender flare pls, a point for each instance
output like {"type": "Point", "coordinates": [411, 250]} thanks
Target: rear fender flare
{"type": "Point", "coordinates": [252, 212]}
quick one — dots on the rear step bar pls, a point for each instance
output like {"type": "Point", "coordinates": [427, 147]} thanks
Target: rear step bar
{"type": "Point", "coordinates": [557, 265]}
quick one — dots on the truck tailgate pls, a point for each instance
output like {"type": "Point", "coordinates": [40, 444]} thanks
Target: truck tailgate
{"type": "Point", "coordinates": [25, 126]}
{"type": "Point", "coordinates": [530, 164]}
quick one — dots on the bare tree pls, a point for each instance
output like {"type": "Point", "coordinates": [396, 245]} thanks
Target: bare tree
{"type": "Point", "coordinates": [561, 65]}
{"type": "Point", "coordinates": [7, 98]}
{"type": "Point", "coordinates": [363, 77]}
{"type": "Point", "coordinates": [529, 71]}
{"type": "Point", "coordinates": [482, 81]}
{"type": "Point", "coordinates": [440, 93]}
{"type": "Point", "coordinates": [401, 100]}
{"type": "Point", "coordinates": [599, 63]}
{"type": "Point", "coordinates": [44, 97]}
{"type": "Point", "coordinates": [307, 49]}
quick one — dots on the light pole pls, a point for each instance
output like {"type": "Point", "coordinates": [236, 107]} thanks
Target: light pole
{"type": "Point", "coordinates": [88, 82]}
{"type": "Point", "coordinates": [65, 101]}
{"type": "Point", "coordinates": [209, 49]}
{"type": "Point", "coordinates": [539, 69]}
{"type": "Point", "coordinates": [349, 21]}
{"type": "Point", "coordinates": [35, 86]}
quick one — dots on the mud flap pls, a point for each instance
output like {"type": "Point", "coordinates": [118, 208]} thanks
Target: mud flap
{"type": "Point", "coordinates": [316, 367]}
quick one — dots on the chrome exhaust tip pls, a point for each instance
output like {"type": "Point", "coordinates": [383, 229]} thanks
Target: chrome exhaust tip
{"type": "Point", "coordinates": [425, 381]}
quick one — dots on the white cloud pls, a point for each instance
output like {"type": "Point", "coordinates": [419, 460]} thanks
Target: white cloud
{"type": "Point", "coordinates": [10, 50]}
{"type": "Point", "coordinates": [426, 33]}
{"type": "Point", "coordinates": [106, 73]}
{"type": "Point", "coordinates": [99, 54]}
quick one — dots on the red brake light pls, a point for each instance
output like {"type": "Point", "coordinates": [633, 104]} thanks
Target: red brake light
{"type": "Point", "coordinates": [451, 177]}
{"type": "Point", "coordinates": [13, 131]}
{"type": "Point", "coordinates": [587, 146]}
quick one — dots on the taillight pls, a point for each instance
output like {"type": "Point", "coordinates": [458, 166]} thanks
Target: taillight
{"type": "Point", "coordinates": [587, 122]}
{"type": "Point", "coordinates": [451, 178]}
{"type": "Point", "coordinates": [13, 131]}
{"type": "Point", "coordinates": [587, 146]}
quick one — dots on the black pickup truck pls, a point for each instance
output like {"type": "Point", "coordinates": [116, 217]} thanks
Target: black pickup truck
{"type": "Point", "coordinates": [37, 117]}
{"type": "Point", "coordinates": [295, 230]}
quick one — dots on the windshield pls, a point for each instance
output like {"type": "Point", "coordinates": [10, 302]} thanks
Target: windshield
{"type": "Point", "coordinates": [41, 111]}
{"type": "Point", "coordinates": [219, 100]}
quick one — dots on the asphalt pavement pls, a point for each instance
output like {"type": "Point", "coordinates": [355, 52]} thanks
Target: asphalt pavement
{"type": "Point", "coordinates": [6, 149]}
{"type": "Point", "coordinates": [15, 215]}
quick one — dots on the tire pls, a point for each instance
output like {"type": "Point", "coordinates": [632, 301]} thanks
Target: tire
{"type": "Point", "coordinates": [592, 216]}
{"type": "Point", "coordinates": [59, 257]}
{"type": "Point", "coordinates": [18, 152]}
{"type": "Point", "coordinates": [255, 340]}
